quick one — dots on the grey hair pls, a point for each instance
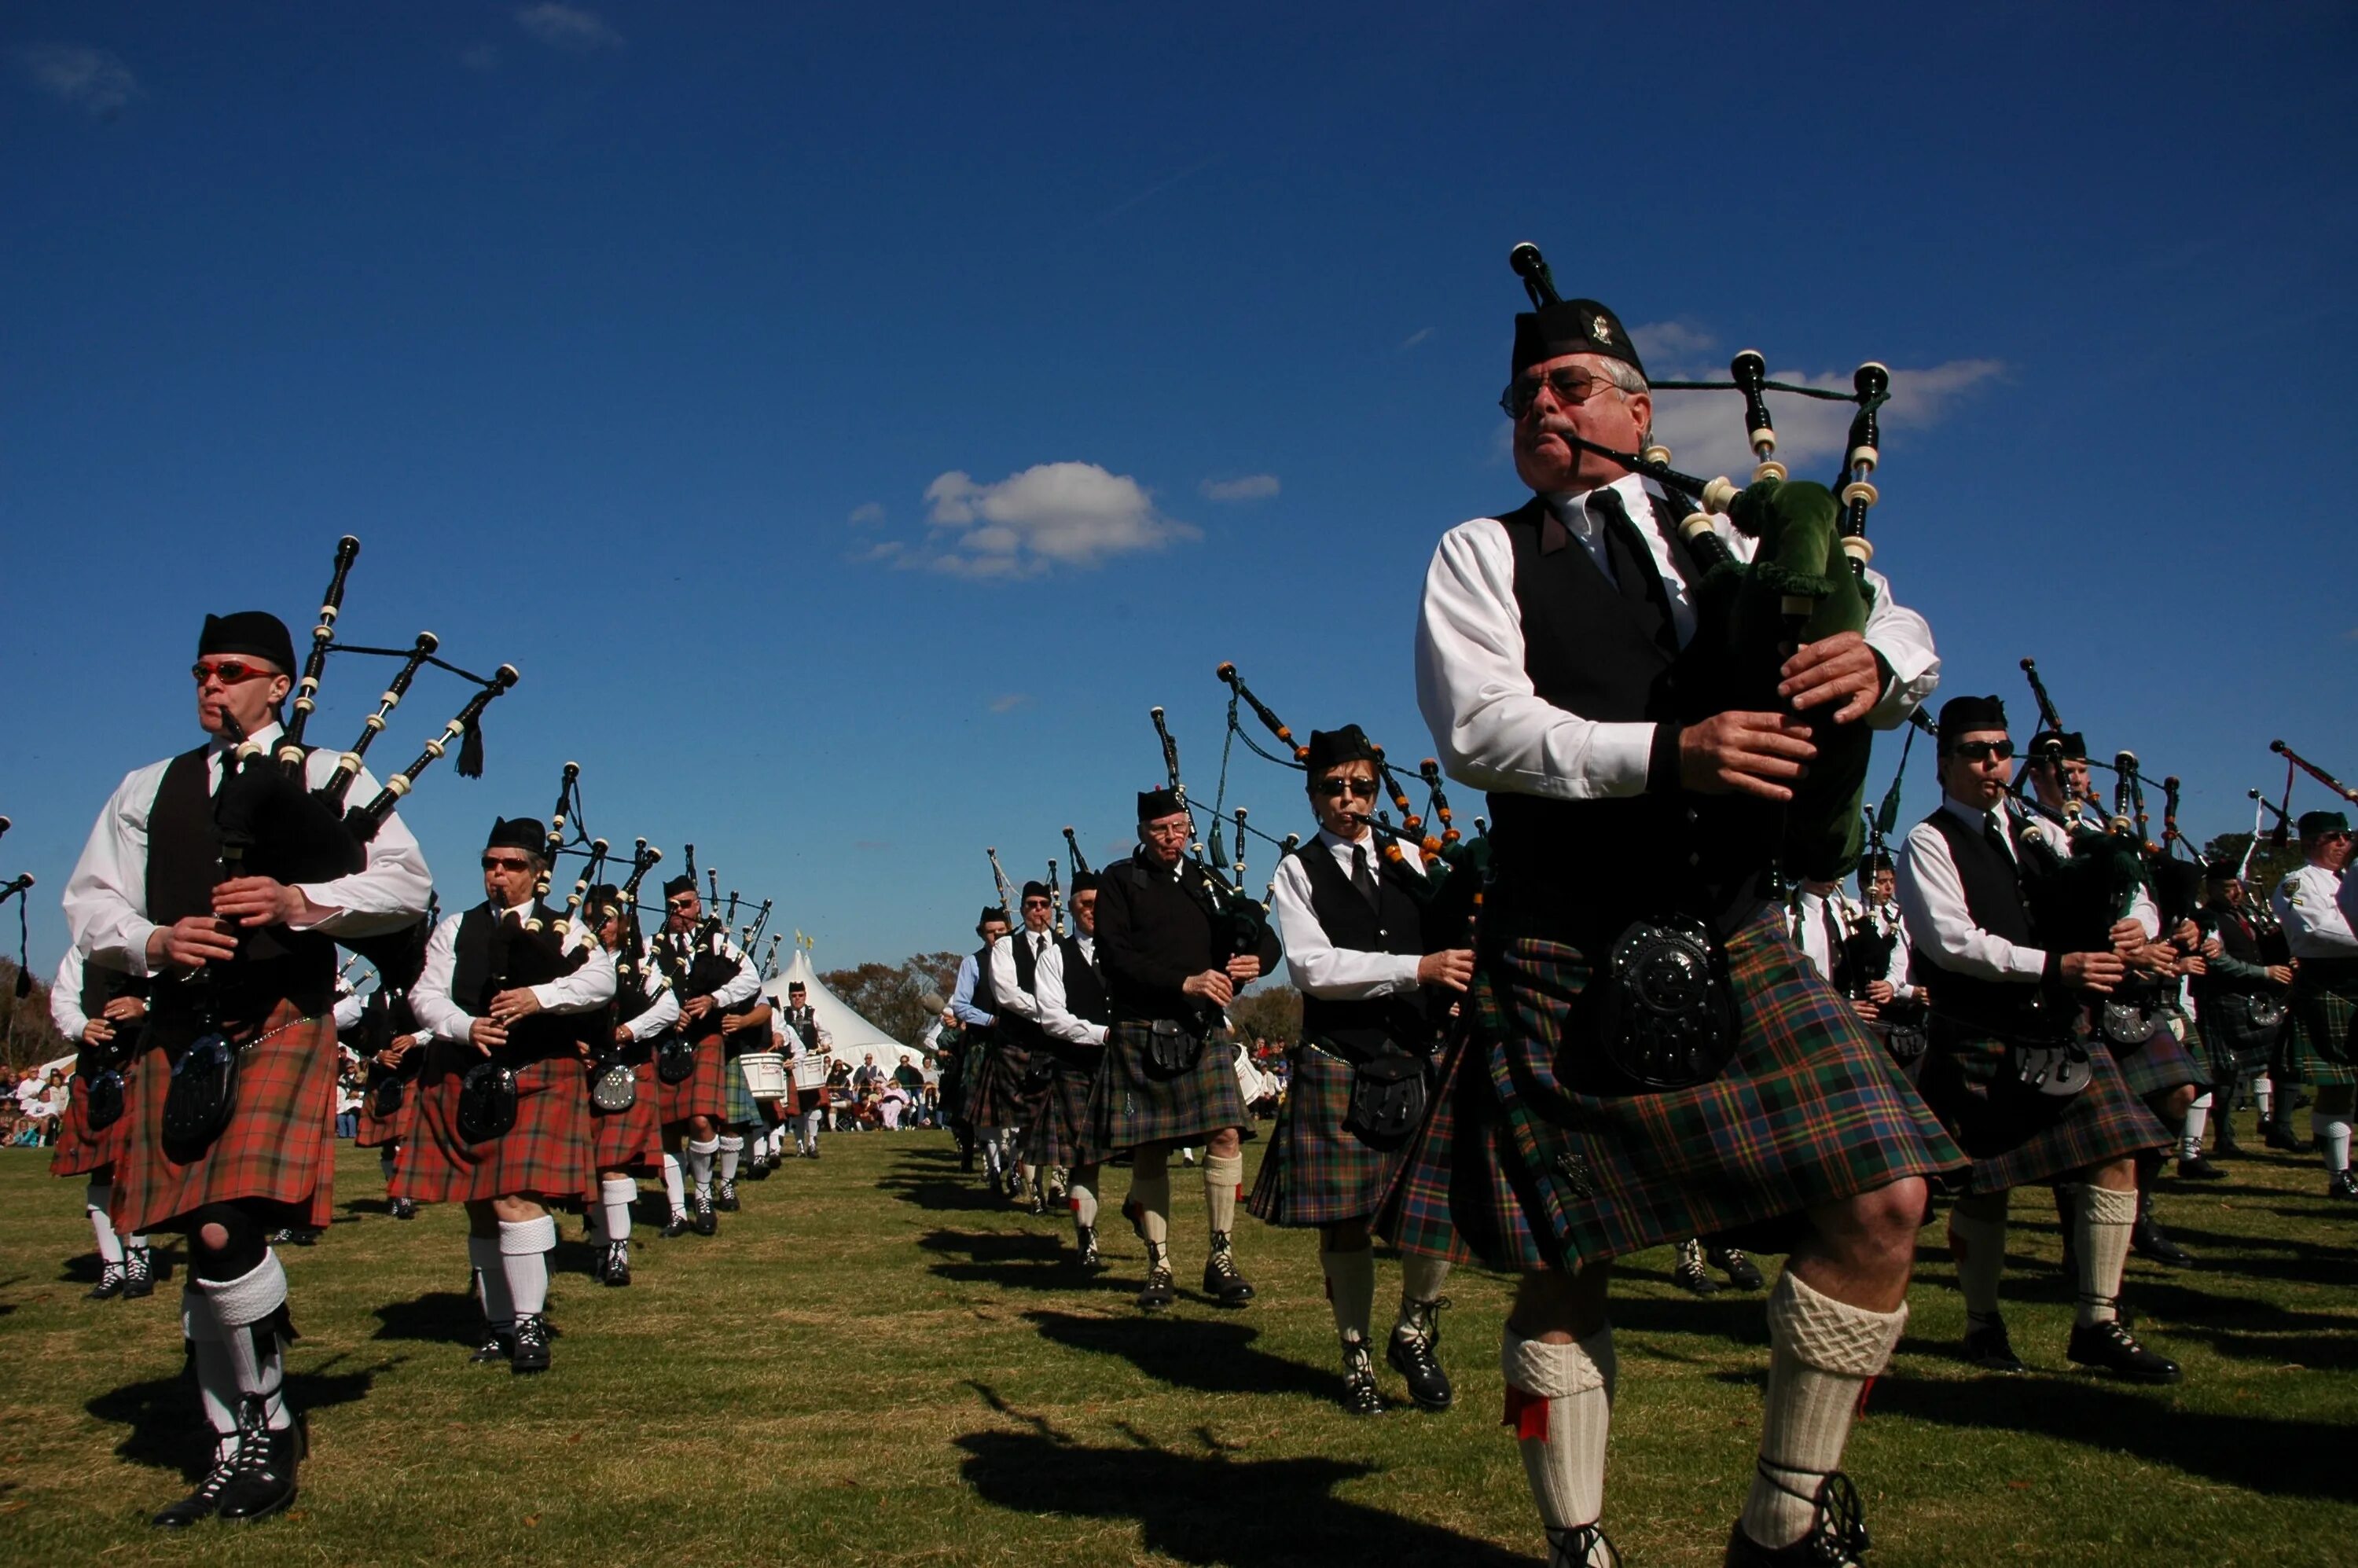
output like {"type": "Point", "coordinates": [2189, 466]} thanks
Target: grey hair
{"type": "Point", "coordinates": [1630, 381]}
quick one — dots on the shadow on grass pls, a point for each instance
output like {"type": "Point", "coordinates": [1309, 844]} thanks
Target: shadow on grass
{"type": "Point", "coordinates": [1208, 1506]}
{"type": "Point", "coordinates": [1041, 1260]}
{"type": "Point", "coordinates": [437, 1317]}
{"type": "Point", "coordinates": [2276, 1458]}
{"type": "Point", "coordinates": [1212, 1358]}
{"type": "Point", "coordinates": [168, 1429]}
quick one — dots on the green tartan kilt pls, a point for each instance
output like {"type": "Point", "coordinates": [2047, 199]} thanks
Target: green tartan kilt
{"type": "Point", "coordinates": [1316, 1173]}
{"type": "Point", "coordinates": [2160, 1062]}
{"type": "Point", "coordinates": [1130, 1106]}
{"type": "Point", "coordinates": [1056, 1120]}
{"type": "Point", "coordinates": [2018, 1138]}
{"type": "Point", "coordinates": [743, 1108]}
{"type": "Point", "coordinates": [1520, 1168]}
{"type": "Point", "coordinates": [2232, 1043]}
{"type": "Point", "coordinates": [994, 1092]}
{"type": "Point", "coordinates": [2317, 1046]}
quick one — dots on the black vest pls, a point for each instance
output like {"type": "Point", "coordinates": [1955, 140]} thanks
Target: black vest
{"type": "Point", "coordinates": [1085, 991]}
{"type": "Point", "coordinates": [703, 975]}
{"type": "Point", "coordinates": [101, 985]}
{"type": "Point", "coordinates": [183, 864]}
{"type": "Point", "coordinates": [1013, 1028]}
{"type": "Point", "coordinates": [491, 955]}
{"type": "Point", "coordinates": [985, 999]}
{"type": "Point", "coordinates": [1365, 1026]}
{"type": "Point", "coordinates": [1585, 869]}
{"type": "Point", "coordinates": [1991, 880]}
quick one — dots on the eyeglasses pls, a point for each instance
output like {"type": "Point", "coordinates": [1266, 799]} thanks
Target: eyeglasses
{"type": "Point", "coordinates": [1364, 788]}
{"type": "Point", "coordinates": [1570, 385]}
{"type": "Point", "coordinates": [680, 906]}
{"type": "Point", "coordinates": [501, 863]}
{"type": "Point", "coordinates": [1036, 904]}
{"type": "Point", "coordinates": [230, 672]}
{"type": "Point", "coordinates": [1982, 751]}
{"type": "Point", "coordinates": [1165, 829]}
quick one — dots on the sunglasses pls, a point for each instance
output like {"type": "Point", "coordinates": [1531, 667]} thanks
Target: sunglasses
{"type": "Point", "coordinates": [1036, 904]}
{"type": "Point", "coordinates": [230, 672]}
{"type": "Point", "coordinates": [1569, 386]}
{"type": "Point", "coordinates": [1982, 751]}
{"type": "Point", "coordinates": [499, 863]}
{"type": "Point", "coordinates": [1363, 788]}
{"type": "Point", "coordinates": [680, 906]}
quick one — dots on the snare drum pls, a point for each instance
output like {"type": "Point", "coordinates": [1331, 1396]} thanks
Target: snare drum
{"type": "Point", "coordinates": [765, 1074]}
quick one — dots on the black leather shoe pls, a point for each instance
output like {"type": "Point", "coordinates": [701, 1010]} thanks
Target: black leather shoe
{"type": "Point", "coordinates": [1689, 1275]}
{"type": "Point", "coordinates": [1158, 1292]}
{"type": "Point", "coordinates": [2111, 1347]}
{"type": "Point", "coordinates": [531, 1345]}
{"type": "Point", "coordinates": [1222, 1283]}
{"type": "Point", "coordinates": [758, 1171]}
{"type": "Point", "coordinates": [2195, 1168]}
{"type": "Point", "coordinates": [202, 1503]}
{"type": "Point", "coordinates": [675, 1226]}
{"type": "Point", "coordinates": [499, 1344]}
{"type": "Point", "coordinates": [112, 1282]}
{"type": "Point", "coordinates": [2342, 1184]}
{"type": "Point", "coordinates": [1086, 1237]}
{"type": "Point", "coordinates": [2148, 1240]}
{"type": "Point", "coordinates": [617, 1263]}
{"type": "Point", "coordinates": [1360, 1395]}
{"type": "Point", "coordinates": [1417, 1359]}
{"type": "Point", "coordinates": [138, 1273]}
{"type": "Point", "coordinates": [724, 1198]}
{"type": "Point", "coordinates": [1988, 1346]}
{"type": "Point", "coordinates": [707, 1222]}
{"type": "Point", "coordinates": [404, 1209]}
{"type": "Point", "coordinates": [1582, 1546]}
{"type": "Point", "coordinates": [1837, 1538]}
{"type": "Point", "coordinates": [2279, 1137]}
{"type": "Point", "coordinates": [1741, 1271]}
{"type": "Point", "coordinates": [261, 1474]}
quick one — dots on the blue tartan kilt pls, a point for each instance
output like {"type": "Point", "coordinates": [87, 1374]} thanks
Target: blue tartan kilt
{"type": "Point", "coordinates": [1128, 1105]}
{"type": "Point", "coordinates": [1520, 1168]}
{"type": "Point", "coordinates": [994, 1092]}
{"type": "Point", "coordinates": [1056, 1120]}
{"type": "Point", "coordinates": [2019, 1139]}
{"type": "Point", "coordinates": [1316, 1172]}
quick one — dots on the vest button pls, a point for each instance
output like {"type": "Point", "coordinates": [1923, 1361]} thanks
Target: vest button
{"type": "Point", "coordinates": [1694, 858]}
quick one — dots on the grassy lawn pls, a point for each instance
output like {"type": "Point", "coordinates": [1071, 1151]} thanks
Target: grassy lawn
{"type": "Point", "coordinates": [876, 1362]}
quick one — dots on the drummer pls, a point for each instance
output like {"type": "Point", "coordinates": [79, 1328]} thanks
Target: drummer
{"type": "Point", "coordinates": [807, 1044]}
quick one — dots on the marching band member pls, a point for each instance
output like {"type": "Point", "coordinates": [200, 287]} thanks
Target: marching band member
{"type": "Point", "coordinates": [1551, 669]}
{"type": "Point", "coordinates": [102, 1012]}
{"type": "Point", "coordinates": [1169, 1078]}
{"type": "Point", "coordinates": [745, 1028]}
{"type": "Point", "coordinates": [1354, 946]}
{"type": "Point", "coordinates": [2008, 1070]}
{"type": "Point", "coordinates": [710, 977]}
{"type": "Point", "coordinates": [625, 1143]}
{"type": "Point", "coordinates": [2314, 903]}
{"type": "Point", "coordinates": [986, 1096]}
{"type": "Point", "coordinates": [513, 1044]}
{"type": "Point", "coordinates": [805, 1036]}
{"type": "Point", "coordinates": [393, 1045]}
{"type": "Point", "coordinates": [2239, 998]}
{"type": "Point", "coordinates": [260, 954]}
{"type": "Point", "coordinates": [1074, 1012]}
{"type": "Point", "coordinates": [1015, 964]}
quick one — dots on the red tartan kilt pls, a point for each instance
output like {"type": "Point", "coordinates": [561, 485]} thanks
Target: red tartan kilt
{"type": "Point", "coordinates": [279, 1145]}
{"type": "Point", "coordinates": [545, 1153]}
{"type": "Point", "coordinates": [80, 1151]}
{"type": "Point", "coordinates": [377, 1131]}
{"type": "Point", "coordinates": [629, 1140]}
{"type": "Point", "coordinates": [704, 1092]}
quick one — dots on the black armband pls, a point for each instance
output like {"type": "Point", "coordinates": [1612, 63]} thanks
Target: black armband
{"type": "Point", "coordinates": [1662, 759]}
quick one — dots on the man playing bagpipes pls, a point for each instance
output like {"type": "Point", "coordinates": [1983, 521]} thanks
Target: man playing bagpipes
{"type": "Point", "coordinates": [2010, 1071]}
{"type": "Point", "coordinates": [1651, 1058]}
{"type": "Point", "coordinates": [2239, 998]}
{"type": "Point", "coordinates": [1169, 1079]}
{"type": "Point", "coordinates": [989, 1091]}
{"type": "Point", "coordinates": [711, 977]}
{"type": "Point", "coordinates": [246, 961]}
{"type": "Point", "coordinates": [1026, 1076]}
{"type": "Point", "coordinates": [1353, 921]}
{"type": "Point", "coordinates": [628, 1143]}
{"type": "Point", "coordinates": [104, 1012]}
{"type": "Point", "coordinates": [1074, 1012]}
{"type": "Point", "coordinates": [745, 1028]}
{"type": "Point", "coordinates": [806, 1037]}
{"type": "Point", "coordinates": [502, 1114]}
{"type": "Point", "coordinates": [2314, 903]}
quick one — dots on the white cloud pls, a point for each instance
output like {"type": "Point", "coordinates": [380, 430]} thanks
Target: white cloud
{"type": "Point", "coordinates": [1413, 339]}
{"type": "Point", "coordinates": [1008, 702]}
{"type": "Point", "coordinates": [1252, 487]}
{"type": "Point", "coordinates": [1705, 430]}
{"type": "Point", "coordinates": [91, 79]}
{"type": "Point", "coordinates": [1068, 513]}
{"type": "Point", "coordinates": [480, 56]}
{"type": "Point", "coordinates": [867, 515]}
{"type": "Point", "coordinates": [567, 28]}
{"type": "Point", "coordinates": [1663, 342]}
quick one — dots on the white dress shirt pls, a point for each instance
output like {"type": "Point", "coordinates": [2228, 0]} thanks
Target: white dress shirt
{"type": "Point", "coordinates": [1808, 927]}
{"type": "Point", "coordinates": [1011, 997]}
{"type": "Point", "coordinates": [1890, 921]}
{"type": "Point", "coordinates": [349, 1008]}
{"type": "Point", "coordinates": [740, 989]}
{"type": "Point", "coordinates": [106, 897]}
{"type": "Point", "coordinates": [2316, 925]}
{"type": "Point", "coordinates": [65, 997]}
{"type": "Point", "coordinates": [661, 1015]}
{"type": "Point", "coordinates": [438, 1013]}
{"type": "Point", "coordinates": [1494, 732]}
{"type": "Point", "coordinates": [1057, 1014]}
{"type": "Point", "coordinates": [1932, 902]}
{"type": "Point", "coordinates": [1319, 968]}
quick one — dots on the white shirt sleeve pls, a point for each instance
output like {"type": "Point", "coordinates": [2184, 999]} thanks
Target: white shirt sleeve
{"type": "Point", "coordinates": [2147, 913]}
{"type": "Point", "coordinates": [348, 1012]}
{"type": "Point", "coordinates": [388, 892]}
{"type": "Point", "coordinates": [1932, 901]}
{"type": "Point", "coordinates": [587, 989]}
{"type": "Point", "coordinates": [1056, 1015]}
{"type": "Point", "coordinates": [430, 998]}
{"type": "Point", "coordinates": [1319, 968]}
{"type": "Point", "coordinates": [732, 997]}
{"type": "Point", "coordinates": [2309, 904]}
{"type": "Point", "coordinates": [1902, 988]}
{"type": "Point", "coordinates": [65, 997]}
{"type": "Point", "coordinates": [1011, 997]}
{"type": "Point", "coordinates": [659, 1016]}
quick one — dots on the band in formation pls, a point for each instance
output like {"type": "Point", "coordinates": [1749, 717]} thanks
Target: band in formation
{"type": "Point", "coordinates": [1642, 1007]}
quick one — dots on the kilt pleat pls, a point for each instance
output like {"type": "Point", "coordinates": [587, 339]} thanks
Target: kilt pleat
{"type": "Point", "coordinates": [739, 1108]}
{"type": "Point", "coordinates": [1130, 1106]}
{"type": "Point", "coordinates": [278, 1146]}
{"type": "Point", "coordinates": [1522, 1166]}
{"type": "Point", "coordinates": [994, 1093]}
{"type": "Point", "coordinates": [2317, 1047]}
{"type": "Point", "coordinates": [2234, 1045]}
{"type": "Point", "coordinates": [545, 1153]}
{"type": "Point", "coordinates": [629, 1140]}
{"type": "Point", "coordinates": [2019, 1139]}
{"type": "Point", "coordinates": [79, 1151]}
{"type": "Point", "coordinates": [1316, 1173]}
{"type": "Point", "coordinates": [2159, 1063]}
{"type": "Point", "coordinates": [703, 1092]}
{"type": "Point", "coordinates": [1057, 1119]}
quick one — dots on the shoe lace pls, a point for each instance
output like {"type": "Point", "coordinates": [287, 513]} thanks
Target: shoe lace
{"type": "Point", "coordinates": [1582, 1546]}
{"type": "Point", "coordinates": [1837, 1535]}
{"type": "Point", "coordinates": [253, 1453]}
{"type": "Point", "coordinates": [1690, 1257]}
{"type": "Point", "coordinates": [1223, 1263]}
{"type": "Point", "coordinates": [1427, 1318]}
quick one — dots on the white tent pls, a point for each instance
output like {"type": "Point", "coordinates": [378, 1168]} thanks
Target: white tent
{"type": "Point", "coordinates": [852, 1035]}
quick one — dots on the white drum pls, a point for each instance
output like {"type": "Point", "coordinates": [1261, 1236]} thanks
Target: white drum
{"type": "Point", "coordinates": [765, 1074]}
{"type": "Point", "coordinates": [810, 1072]}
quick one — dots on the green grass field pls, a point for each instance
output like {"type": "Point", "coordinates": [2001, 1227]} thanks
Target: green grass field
{"type": "Point", "coordinates": [876, 1362]}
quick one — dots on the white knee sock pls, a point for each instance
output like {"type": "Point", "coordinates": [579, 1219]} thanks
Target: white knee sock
{"type": "Point", "coordinates": [216, 1377]}
{"type": "Point", "coordinates": [1421, 1281]}
{"type": "Point", "coordinates": [616, 1195]}
{"type": "Point", "coordinates": [1224, 1177]}
{"type": "Point", "coordinates": [673, 1190]}
{"type": "Point", "coordinates": [1977, 1240]}
{"type": "Point", "coordinates": [2264, 1095]}
{"type": "Point", "coordinates": [96, 1197]}
{"type": "Point", "coordinates": [699, 1162]}
{"type": "Point", "coordinates": [246, 1309]}
{"type": "Point", "coordinates": [1560, 1401]}
{"type": "Point", "coordinates": [524, 1246]}
{"type": "Point", "coordinates": [1820, 1352]}
{"type": "Point", "coordinates": [1350, 1291]}
{"type": "Point", "coordinates": [810, 1130]}
{"type": "Point", "coordinates": [2331, 1129]}
{"type": "Point", "coordinates": [2189, 1136]}
{"type": "Point", "coordinates": [732, 1155]}
{"type": "Point", "coordinates": [1083, 1195]}
{"type": "Point", "coordinates": [492, 1282]}
{"type": "Point", "coordinates": [1149, 1189]}
{"type": "Point", "coordinates": [2101, 1222]}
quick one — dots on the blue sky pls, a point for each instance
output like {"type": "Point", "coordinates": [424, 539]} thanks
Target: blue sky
{"type": "Point", "coordinates": [714, 366]}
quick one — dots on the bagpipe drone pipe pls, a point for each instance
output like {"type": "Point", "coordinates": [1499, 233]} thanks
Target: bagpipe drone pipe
{"type": "Point", "coordinates": [2078, 880]}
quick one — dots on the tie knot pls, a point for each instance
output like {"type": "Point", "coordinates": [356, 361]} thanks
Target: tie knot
{"type": "Point", "coordinates": [1606, 501]}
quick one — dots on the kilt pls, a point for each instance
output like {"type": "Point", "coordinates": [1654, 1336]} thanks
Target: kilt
{"type": "Point", "coordinates": [1056, 1120]}
{"type": "Point", "coordinates": [2018, 1139]}
{"type": "Point", "coordinates": [2317, 1043]}
{"type": "Point", "coordinates": [740, 1108]}
{"type": "Point", "coordinates": [1130, 1106]}
{"type": "Point", "coordinates": [79, 1151]}
{"type": "Point", "coordinates": [704, 1092]}
{"type": "Point", "coordinates": [2160, 1063]}
{"type": "Point", "coordinates": [377, 1131]}
{"type": "Point", "coordinates": [2234, 1044]}
{"type": "Point", "coordinates": [628, 1140]}
{"type": "Point", "coordinates": [1315, 1173]}
{"type": "Point", "coordinates": [545, 1153]}
{"type": "Point", "coordinates": [994, 1093]}
{"type": "Point", "coordinates": [1811, 1110]}
{"type": "Point", "coordinates": [278, 1146]}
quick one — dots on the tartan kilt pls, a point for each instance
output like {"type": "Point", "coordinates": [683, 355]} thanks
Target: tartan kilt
{"type": "Point", "coordinates": [545, 1153]}
{"type": "Point", "coordinates": [79, 1151]}
{"type": "Point", "coordinates": [994, 1095]}
{"type": "Point", "coordinates": [740, 1108]}
{"type": "Point", "coordinates": [2017, 1139]}
{"type": "Point", "coordinates": [704, 1092]}
{"type": "Point", "coordinates": [1130, 1106]}
{"type": "Point", "coordinates": [2159, 1063]}
{"type": "Point", "coordinates": [628, 1140]}
{"type": "Point", "coordinates": [1057, 1119]}
{"type": "Point", "coordinates": [377, 1131]}
{"type": "Point", "coordinates": [2234, 1045]}
{"type": "Point", "coordinates": [1316, 1173]}
{"type": "Point", "coordinates": [279, 1144]}
{"type": "Point", "coordinates": [1811, 1110]}
{"type": "Point", "coordinates": [2317, 1043]}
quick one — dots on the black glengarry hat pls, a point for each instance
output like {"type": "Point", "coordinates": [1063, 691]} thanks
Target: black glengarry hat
{"type": "Point", "coordinates": [1035, 890]}
{"type": "Point", "coordinates": [2074, 745]}
{"type": "Point", "coordinates": [2313, 823]}
{"type": "Point", "coordinates": [517, 833]}
{"type": "Point", "coordinates": [991, 912]}
{"type": "Point", "coordinates": [256, 634]}
{"type": "Point", "coordinates": [1085, 881]}
{"type": "Point", "coordinates": [1555, 326]}
{"type": "Point", "coordinates": [1333, 748]}
{"type": "Point", "coordinates": [1156, 803]}
{"type": "Point", "coordinates": [1961, 714]}
{"type": "Point", "coordinates": [680, 884]}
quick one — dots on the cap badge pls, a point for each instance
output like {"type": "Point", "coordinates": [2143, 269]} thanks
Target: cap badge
{"type": "Point", "coordinates": [1601, 329]}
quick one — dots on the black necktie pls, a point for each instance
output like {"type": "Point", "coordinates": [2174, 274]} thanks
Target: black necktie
{"type": "Point", "coordinates": [1633, 569]}
{"type": "Point", "coordinates": [1995, 836]}
{"type": "Point", "coordinates": [1363, 876]}
{"type": "Point", "coordinates": [1834, 940]}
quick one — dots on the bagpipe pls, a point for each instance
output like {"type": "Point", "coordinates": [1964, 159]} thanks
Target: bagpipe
{"type": "Point", "coordinates": [2077, 879]}
{"type": "Point", "coordinates": [16, 887]}
{"type": "Point", "coordinates": [1806, 580]}
{"type": "Point", "coordinates": [2295, 759]}
{"type": "Point", "coordinates": [1239, 921]}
